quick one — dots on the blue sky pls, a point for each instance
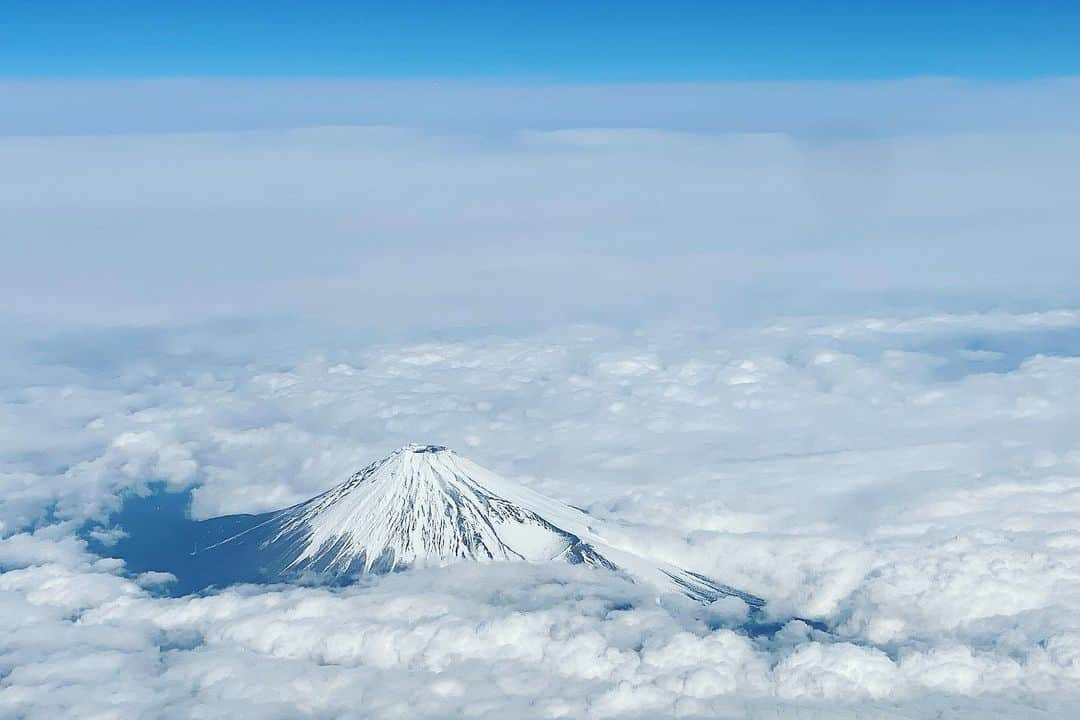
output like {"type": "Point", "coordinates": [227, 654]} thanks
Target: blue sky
{"type": "Point", "coordinates": [560, 41]}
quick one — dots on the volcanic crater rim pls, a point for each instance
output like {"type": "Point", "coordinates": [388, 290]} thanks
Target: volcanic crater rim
{"type": "Point", "coordinates": [420, 448]}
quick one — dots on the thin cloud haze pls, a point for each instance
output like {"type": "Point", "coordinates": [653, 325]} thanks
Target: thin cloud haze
{"type": "Point", "coordinates": [805, 109]}
{"type": "Point", "coordinates": [631, 224]}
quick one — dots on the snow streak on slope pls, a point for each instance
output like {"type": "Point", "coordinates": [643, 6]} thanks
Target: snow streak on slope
{"type": "Point", "coordinates": [424, 505]}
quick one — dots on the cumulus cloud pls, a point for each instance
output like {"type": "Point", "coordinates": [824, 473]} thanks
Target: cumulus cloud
{"type": "Point", "coordinates": [470, 641]}
{"type": "Point", "coordinates": [880, 482]}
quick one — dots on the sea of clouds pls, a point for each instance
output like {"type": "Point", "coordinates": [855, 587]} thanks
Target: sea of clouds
{"type": "Point", "coordinates": [838, 370]}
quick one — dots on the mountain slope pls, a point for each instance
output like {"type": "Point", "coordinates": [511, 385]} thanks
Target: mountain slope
{"type": "Point", "coordinates": [424, 505]}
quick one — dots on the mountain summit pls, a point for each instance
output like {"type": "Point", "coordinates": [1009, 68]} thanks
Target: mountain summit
{"type": "Point", "coordinates": [427, 505]}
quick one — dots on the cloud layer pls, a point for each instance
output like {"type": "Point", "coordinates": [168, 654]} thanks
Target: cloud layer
{"type": "Point", "coordinates": [919, 106]}
{"type": "Point", "coordinates": [808, 340]}
{"type": "Point", "coordinates": [404, 231]}
{"type": "Point", "coordinates": [911, 483]}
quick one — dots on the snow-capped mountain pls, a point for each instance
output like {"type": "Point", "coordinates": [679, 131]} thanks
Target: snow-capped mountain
{"type": "Point", "coordinates": [424, 505]}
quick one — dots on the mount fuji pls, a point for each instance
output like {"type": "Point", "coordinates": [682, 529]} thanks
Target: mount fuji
{"type": "Point", "coordinates": [421, 505]}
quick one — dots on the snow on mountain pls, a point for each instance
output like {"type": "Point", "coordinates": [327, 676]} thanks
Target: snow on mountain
{"type": "Point", "coordinates": [427, 505]}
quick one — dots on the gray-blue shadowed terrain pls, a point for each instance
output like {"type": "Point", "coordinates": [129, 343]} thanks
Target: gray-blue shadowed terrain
{"type": "Point", "coordinates": [162, 537]}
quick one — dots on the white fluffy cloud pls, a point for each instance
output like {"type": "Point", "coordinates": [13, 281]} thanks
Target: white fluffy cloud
{"type": "Point", "coordinates": [874, 475]}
